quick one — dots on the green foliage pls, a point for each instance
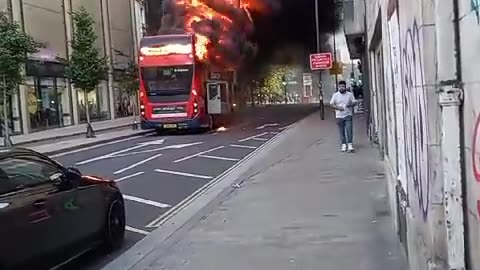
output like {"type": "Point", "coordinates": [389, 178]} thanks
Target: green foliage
{"type": "Point", "coordinates": [86, 68]}
{"type": "Point", "coordinates": [128, 79]}
{"type": "Point", "coordinates": [15, 45]}
{"type": "Point", "coordinates": [271, 87]}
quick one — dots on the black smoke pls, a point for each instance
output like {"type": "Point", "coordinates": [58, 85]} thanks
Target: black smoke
{"type": "Point", "coordinates": [293, 26]}
{"type": "Point", "coordinates": [255, 36]}
{"type": "Point", "coordinates": [230, 32]}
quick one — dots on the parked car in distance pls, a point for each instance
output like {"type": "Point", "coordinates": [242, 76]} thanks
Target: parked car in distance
{"type": "Point", "coordinates": [49, 213]}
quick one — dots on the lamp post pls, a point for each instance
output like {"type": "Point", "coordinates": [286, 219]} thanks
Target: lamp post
{"type": "Point", "coordinates": [284, 83]}
{"type": "Point", "coordinates": [320, 90]}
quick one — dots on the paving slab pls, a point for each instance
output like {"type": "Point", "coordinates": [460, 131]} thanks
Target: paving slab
{"type": "Point", "coordinates": [300, 204]}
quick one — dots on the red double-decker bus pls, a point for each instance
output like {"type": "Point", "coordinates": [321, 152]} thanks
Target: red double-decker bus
{"type": "Point", "coordinates": [175, 89]}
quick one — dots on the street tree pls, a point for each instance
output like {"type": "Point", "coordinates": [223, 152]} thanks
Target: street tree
{"type": "Point", "coordinates": [272, 88]}
{"type": "Point", "coordinates": [86, 67]}
{"type": "Point", "coordinates": [128, 81]}
{"type": "Point", "coordinates": [15, 46]}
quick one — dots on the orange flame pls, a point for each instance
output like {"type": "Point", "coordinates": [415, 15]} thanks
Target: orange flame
{"type": "Point", "coordinates": [197, 10]}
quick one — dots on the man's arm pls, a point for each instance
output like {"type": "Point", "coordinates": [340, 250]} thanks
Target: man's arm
{"type": "Point", "coordinates": [333, 104]}
{"type": "Point", "coordinates": [353, 101]}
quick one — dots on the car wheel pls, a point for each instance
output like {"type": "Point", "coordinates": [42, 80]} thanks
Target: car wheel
{"type": "Point", "coordinates": [115, 225]}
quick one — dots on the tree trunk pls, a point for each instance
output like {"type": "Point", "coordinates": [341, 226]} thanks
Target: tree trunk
{"type": "Point", "coordinates": [6, 132]}
{"type": "Point", "coordinates": [90, 131]}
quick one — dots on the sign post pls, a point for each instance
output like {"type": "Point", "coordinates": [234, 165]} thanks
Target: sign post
{"type": "Point", "coordinates": [321, 61]}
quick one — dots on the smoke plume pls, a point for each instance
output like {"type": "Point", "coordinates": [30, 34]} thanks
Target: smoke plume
{"type": "Point", "coordinates": [250, 33]}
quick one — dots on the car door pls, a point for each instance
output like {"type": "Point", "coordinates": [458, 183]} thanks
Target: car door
{"type": "Point", "coordinates": [26, 220]}
{"type": "Point", "coordinates": [74, 208]}
{"type": "Point", "coordinates": [79, 214]}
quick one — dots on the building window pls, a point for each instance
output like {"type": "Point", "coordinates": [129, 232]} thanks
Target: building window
{"type": "Point", "coordinates": [124, 102]}
{"type": "Point", "coordinates": [14, 121]}
{"type": "Point", "coordinates": [97, 104]}
{"type": "Point", "coordinates": [48, 103]}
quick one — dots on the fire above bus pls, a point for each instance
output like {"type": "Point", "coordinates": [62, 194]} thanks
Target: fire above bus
{"type": "Point", "coordinates": [173, 86]}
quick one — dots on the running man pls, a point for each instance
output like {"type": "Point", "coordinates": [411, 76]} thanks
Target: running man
{"type": "Point", "coordinates": [343, 102]}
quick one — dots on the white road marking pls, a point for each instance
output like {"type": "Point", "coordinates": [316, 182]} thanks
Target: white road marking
{"type": "Point", "coordinates": [268, 125]}
{"type": "Point", "coordinates": [144, 201]}
{"type": "Point", "coordinates": [157, 222]}
{"type": "Point", "coordinates": [184, 174]}
{"type": "Point", "coordinates": [111, 155]}
{"type": "Point", "coordinates": [95, 146]}
{"type": "Point", "coordinates": [128, 177]}
{"type": "Point", "coordinates": [219, 158]}
{"type": "Point", "coordinates": [135, 230]}
{"type": "Point", "coordinates": [175, 146]}
{"type": "Point", "coordinates": [137, 164]}
{"type": "Point", "coordinates": [260, 139]}
{"type": "Point", "coordinates": [274, 132]}
{"type": "Point", "coordinates": [287, 127]}
{"type": "Point", "coordinates": [253, 137]}
{"type": "Point", "coordinates": [243, 146]}
{"type": "Point", "coordinates": [198, 154]}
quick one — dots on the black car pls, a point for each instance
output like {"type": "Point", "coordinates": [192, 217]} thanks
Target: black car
{"type": "Point", "coordinates": [49, 213]}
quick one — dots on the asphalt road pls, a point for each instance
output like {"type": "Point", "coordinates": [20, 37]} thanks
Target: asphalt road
{"type": "Point", "coordinates": [156, 172]}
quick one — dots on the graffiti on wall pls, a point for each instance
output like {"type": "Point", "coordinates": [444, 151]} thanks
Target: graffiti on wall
{"type": "Point", "coordinates": [475, 4]}
{"type": "Point", "coordinates": [414, 118]}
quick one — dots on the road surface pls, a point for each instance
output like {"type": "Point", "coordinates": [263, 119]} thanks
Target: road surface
{"type": "Point", "coordinates": [156, 172]}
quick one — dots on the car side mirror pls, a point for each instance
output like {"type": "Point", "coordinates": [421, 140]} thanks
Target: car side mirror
{"type": "Point", "coordinates": [73, 178]}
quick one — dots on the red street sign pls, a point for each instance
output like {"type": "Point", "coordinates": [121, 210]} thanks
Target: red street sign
{"type": "Point", "coordinates": [320, 61]}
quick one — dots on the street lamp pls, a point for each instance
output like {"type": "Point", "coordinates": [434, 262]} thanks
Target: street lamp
{"type": "Point", "coordinates": [284, 82]}
{"type": "Point", "coordinates": [317, 34]}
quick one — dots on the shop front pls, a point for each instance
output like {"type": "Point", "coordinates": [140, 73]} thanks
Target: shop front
{"type": "Point", "coordinates": [47, 96]}
{"type": "Point", "coordinates": [13, 114]}
{"type": "Point", "coordinates": [98, 104]}
{"type": "Point", "coordinates": [124, 101]}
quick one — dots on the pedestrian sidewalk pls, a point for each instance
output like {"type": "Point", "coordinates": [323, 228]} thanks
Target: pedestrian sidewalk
{"type": "Point", "coordinates": [63, 132]}
{"type": "Point", "coordinates": [303, 206]}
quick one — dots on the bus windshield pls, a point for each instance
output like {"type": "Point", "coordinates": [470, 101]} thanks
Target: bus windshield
{"type": "Point", "coordinates": [167, 80]}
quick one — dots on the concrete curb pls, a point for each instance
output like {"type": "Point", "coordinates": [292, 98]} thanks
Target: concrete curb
{"type": "Point", "coordinates": [70, 135]}
{"type": "Point", "coordinates": [177, 217]}
{"type": "Point", "coordinates": [81, 146]}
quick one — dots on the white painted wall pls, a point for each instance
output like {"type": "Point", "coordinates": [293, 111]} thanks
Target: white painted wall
{"type": "Point", "coordinates": [470, 45]}
{"type": "Point", "coordinates": [418, 58]}
{"type": "Point", "coordinates": [406, 118]}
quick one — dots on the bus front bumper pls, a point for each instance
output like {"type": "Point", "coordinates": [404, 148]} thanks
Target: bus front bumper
{"type": "Point", "coordinates": [181, 124]}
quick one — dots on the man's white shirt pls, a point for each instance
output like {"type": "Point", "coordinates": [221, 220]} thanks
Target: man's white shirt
{"type": "Point", "coordinates": [342, 100]}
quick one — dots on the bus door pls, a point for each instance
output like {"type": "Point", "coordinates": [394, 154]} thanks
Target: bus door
{"type": "Point", "coordinates": [218, 97]}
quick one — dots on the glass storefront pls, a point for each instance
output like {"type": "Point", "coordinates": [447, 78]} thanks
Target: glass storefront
{"type": "Point", "coordinates": [14, 126]}
{"type": "Point", "coordinates": [98, 105]}
{"type": "Point", "coordinates": [48, 103]}
{"type": "Point", "coordinates": [47, 96]}
{"type": "Point", "coordinates": [124, 102]}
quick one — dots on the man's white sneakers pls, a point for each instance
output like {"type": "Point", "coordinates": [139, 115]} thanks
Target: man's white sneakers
{"type": "Point", "coordinates": [343, 148]}
{"type": "Point", "coordinates": [350, 148]}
